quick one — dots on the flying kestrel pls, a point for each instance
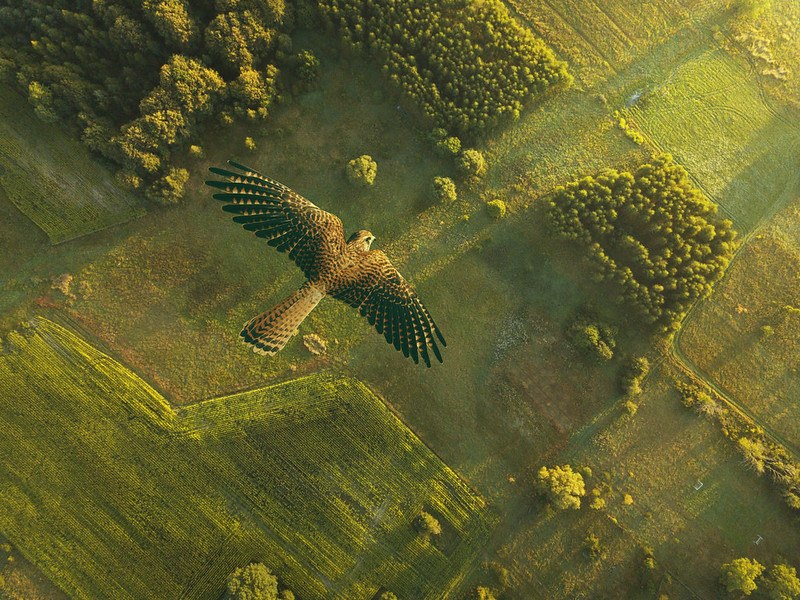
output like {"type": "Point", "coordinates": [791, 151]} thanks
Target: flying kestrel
{"type": "Point", "coordinates": [346, 270]}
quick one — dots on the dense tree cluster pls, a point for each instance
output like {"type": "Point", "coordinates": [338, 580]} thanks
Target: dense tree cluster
{"type": "Point", "coordinates": [136, 80]}
{"type": "Point", "coordinates": [651, 232]}
{"type": "Point", "coordinates": [465, 63]}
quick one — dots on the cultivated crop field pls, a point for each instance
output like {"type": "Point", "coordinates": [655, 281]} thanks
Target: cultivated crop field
{"type": "Point", "coordinates": [53, 180]}
{"type": "Point", "coordinates": [112, 493]}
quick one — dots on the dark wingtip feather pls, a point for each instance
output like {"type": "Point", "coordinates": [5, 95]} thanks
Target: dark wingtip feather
{"type": "Point", "coordinates": [241, 167]}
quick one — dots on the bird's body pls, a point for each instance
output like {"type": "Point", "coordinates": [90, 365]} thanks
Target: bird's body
{"type": "Point", "coordinates": [348, 271]}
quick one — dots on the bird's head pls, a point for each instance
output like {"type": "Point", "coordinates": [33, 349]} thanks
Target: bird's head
{"type": "Point", "coordinates": [362, 239]}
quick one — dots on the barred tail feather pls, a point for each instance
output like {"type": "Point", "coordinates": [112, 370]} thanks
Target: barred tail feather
{"type": "Point", "coordinates": [269, 332]}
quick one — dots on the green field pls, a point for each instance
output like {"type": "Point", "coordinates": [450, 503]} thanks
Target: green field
{"type": "Point", "coordinates": [601, 38]}
{"type": "Point", "coordinates": [724, 335]}
{"type": "Point", "coordinates": [166, 295]}
{"type": "Point", "coordinates": [52, 179]}
{"type": "Point", "coordinates": [686, 528]}
{"type": "Point", "coordinates": [113, 494]}
{"type": "Point", "coordinates": [712, 116]}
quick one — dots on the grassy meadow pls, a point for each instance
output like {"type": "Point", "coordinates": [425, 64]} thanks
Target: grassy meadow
{"type": "Point", "coordinates": [745, 336]}
{"type": "Point", "coordinates": [112, 493]}
{"type": "Point", "coordinates": [166, 294]}
{"type": "Point", "coordinates": [52, 178]}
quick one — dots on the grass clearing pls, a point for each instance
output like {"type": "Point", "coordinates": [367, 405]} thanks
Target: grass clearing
{"type": "Point", "coordinates": [711, 115]}
{"type": "Point", "coordinates": [114, 494]}
{"type": "Point", "coordinates": [691, 531]}
{"type": "Point", "coordinates": [52, 179]}
{"type": "Point", "coordinates": [724, 335]}
{"type": "Point", "coordinates": [600, 38]}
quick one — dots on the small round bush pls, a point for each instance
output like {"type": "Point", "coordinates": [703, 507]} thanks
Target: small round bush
{"type": "Point", "coordinates": [472, 163]}
{"type": "Point", "coordinates": [496, 208]}
{"type": "Point", "coordinates": [196, 151]}
{"type": "Point", "coordinates": [444, 189]}
{"type": "Point", "coordinates": [250, 144]}
{"type": "Point", "coordinates": [362, 170]}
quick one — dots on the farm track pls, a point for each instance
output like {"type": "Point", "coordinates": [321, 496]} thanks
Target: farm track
{"type": "Point", "coordinates": [680, 358]}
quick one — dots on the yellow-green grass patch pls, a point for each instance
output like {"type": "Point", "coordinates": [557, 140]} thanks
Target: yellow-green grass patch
{"type": "Point", "coordinates": [712, 116]}
{"type": "Point", "coordinates": [53, 180]}
{"type": "Point", "coordinates": [113, 494]}
{"type": "Point", "coordinates": [601, 38]}
{"type": "Point", "coordinates": [745, 337]}
{"type": "Point", "coordinates": [657, 456]}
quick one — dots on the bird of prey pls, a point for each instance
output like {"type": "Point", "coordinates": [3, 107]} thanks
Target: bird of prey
{"type": "Point", "coordinates": [346, 270]}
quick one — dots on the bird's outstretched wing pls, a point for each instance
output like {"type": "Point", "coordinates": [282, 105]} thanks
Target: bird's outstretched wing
{"type": "Point", "coordinates": [284, 218]}
{"type": "Point", "coordinates": [381, 294]}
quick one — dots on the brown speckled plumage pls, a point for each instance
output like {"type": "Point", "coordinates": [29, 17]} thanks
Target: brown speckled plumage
{"type": "Point", "coordinates": [348, 271]}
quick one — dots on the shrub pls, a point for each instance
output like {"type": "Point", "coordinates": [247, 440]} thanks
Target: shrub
{"type": "Point", "coordinates": [170, 188]}
{"type": "Point", "coordinates": [593, 338]}
{"type": "Point", "coordinates": [472, 163]}
{"type": "Point", "coordinates": [633, 374]}
{"type": "Point", "coordinates": [562, 487]}
{"type": "Point", "coordinates": [362, 170]}
{"type": "Point", "coordinates": [250, 144]}
{"type": "Point", "coordinates": [444, 189]}
{"type": "Point", "coordinates": [593, 547]}
{"type": "Point", "coordinates": [631, 407]}
{"type": "Point", "coordinates": [496, 208]}
{"type": "Point", "coordinates": [196, 151]}
{"type": "Point", "coordinates": [307, 66]}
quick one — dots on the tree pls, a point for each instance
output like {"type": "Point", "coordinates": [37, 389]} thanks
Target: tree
{"type": "Point", "coordinates": [740, 575]}
{"type": "Point", "coordinates": [307, 66]}
{"type": "Point", "coordinates": [172, 21]}
{"type": "Point", "coordinates": [562, 487]}
{"type": "Point", "coordinates": [472, 163]}
{"type": "Point", "coordinates": [448, 146]}
{"type": "Point", "coordinates": [427, 524]}
{"type": "Point", "coordinates": [253, 582]}
{"type": "Point", "coordinates": [781, 583]}
{"type": "Point", "coordinates": [444, 189]}
{"type": "Point", "coordinates": [362, 170]}
{"type": "Point", "coordinates": [496, 208]}
{"type": "Point", "coordinates": [388, 596]}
